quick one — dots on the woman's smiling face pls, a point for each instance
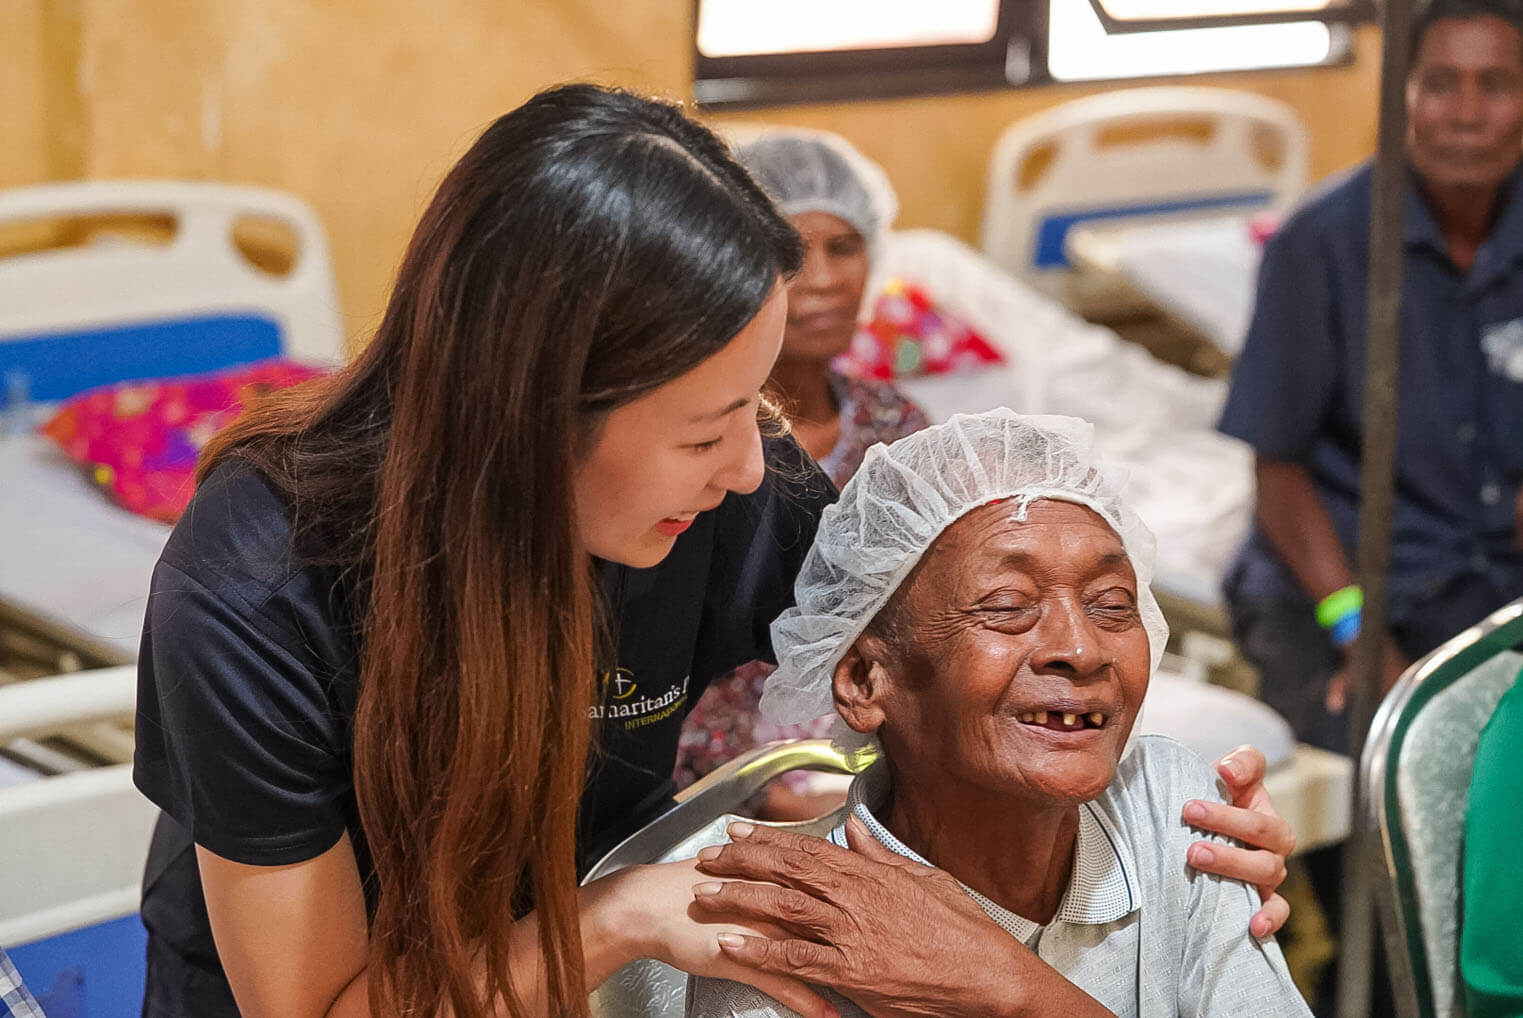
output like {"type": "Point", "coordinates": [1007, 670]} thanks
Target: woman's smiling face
{"type": "Point", "coordinates": [1013, 659]}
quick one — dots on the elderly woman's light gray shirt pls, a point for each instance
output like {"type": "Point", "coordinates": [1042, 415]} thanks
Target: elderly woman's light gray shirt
{"type": "Point", "coordinates": [1137, 929]}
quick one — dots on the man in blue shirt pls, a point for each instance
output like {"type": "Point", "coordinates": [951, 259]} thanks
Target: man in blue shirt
{"type": "Point", "coordinates": [1457, 541]}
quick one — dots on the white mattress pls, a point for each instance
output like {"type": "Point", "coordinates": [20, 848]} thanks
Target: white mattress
{"type": "Point", "coordinates": [68, 556]}
{"type": "Point", "coordinates": [1213, 720]}
{"type": "Point", "coordinates": [1192, 486]}
{"type": "Point", "coordinates": [1202, 272]}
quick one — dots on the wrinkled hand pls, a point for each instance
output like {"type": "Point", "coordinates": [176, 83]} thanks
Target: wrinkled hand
{"type": "Point", "coordinates": [900, 939]}
{"type": "Point", "coordinates": [1252, 820]}
{"type": "Point", "coordinates": [659, 907]}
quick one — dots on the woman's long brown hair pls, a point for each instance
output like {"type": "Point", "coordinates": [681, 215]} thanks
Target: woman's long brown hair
{"type": "Point", "coordinates": [591, 246]}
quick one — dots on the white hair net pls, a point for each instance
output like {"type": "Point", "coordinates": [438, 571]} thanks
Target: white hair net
{"type": "Point", "coordinates": [901, 499]}
{"type": "Point", "coordinates": [811, 171]}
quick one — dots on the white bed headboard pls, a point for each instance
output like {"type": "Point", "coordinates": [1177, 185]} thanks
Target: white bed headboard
{"type": "Point", "coordinates": [1115, 157]}
{"type": "Point", "coordinates": [117, 309]}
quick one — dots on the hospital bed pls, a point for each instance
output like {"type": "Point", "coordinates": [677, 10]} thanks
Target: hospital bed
{"type": "Point", "coordinates": [71, 862]}
{"type": "Point", "coordinates": [74, 568]}
{"type": "Point", "coordinates": [1200, 273]}
{"type": "Point", "coordinates": [164, 288]}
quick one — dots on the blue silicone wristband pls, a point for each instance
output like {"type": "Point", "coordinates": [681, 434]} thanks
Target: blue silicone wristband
{"type": "Point", "coordinates": [1346, 629]}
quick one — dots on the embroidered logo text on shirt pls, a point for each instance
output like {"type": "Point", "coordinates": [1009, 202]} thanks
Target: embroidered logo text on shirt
{"type": "Point", "coordinates": [622, 699]}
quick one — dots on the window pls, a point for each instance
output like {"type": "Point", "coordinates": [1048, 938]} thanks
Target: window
{"type": "Point", "coordinates": [1142, 10]}
{"type": "Point", "coordinates": [1147, 15]}
{"type": "Point", "coordinates": [1079, 48]}
{"type": "Point", "coordinates": [751, 53]}
{"type": "Point", "coordinates": [731, 28]}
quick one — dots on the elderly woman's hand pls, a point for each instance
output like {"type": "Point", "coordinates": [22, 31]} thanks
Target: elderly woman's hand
{"type": "Point", "coordinates": [652, 908]}
{"type": "Point", "coordinates": [898, 938]}
{"type": "Point", "coordinates": [1252, 820]}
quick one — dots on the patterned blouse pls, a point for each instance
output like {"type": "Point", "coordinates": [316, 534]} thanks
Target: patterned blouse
{"type": "Point", "coordinates": [726, 722]}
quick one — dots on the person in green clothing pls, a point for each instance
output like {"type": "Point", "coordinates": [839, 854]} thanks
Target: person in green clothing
{"type": "Point", "coordinates": [1491, 959]}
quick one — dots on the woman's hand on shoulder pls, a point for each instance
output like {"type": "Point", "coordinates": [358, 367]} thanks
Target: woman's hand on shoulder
{"type": "Point", "coordinates": [898, 938]}
{"type": "Point", "coordinates": [651, 908]}
{"type": "Point", "coordinates": [1251, 819]}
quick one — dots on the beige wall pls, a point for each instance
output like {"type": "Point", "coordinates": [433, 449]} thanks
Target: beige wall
{"type": "Point", "coordinates": [359, 106]}
{"type": "Point", "coordinates": [23, 157]}
{"type": "Point", "coordinates": [936, 150]}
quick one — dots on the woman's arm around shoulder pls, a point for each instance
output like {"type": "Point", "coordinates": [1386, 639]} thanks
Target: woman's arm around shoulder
{"type": "Point", "coordinates": [1225, 969]}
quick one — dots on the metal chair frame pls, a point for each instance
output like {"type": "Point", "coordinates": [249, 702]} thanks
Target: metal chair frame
{"type": "Point", "coordinates": [1397, 895]}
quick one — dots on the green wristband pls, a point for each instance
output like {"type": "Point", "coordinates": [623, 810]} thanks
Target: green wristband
{"type": "Point", "coordinates": [1338, 604]}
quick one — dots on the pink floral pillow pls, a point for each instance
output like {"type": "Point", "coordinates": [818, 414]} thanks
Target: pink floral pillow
{"type": "Point", "coordinates": [909, 334]}
{"type": "Point", "coordinates": [139, 440]}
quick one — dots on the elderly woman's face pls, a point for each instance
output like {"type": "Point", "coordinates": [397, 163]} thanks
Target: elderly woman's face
{"type": "Point", "coordinates": [1016, 660]}
{"type": "Point", "coordinates": [823, 299]}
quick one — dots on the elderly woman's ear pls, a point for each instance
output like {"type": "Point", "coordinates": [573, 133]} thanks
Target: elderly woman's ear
{"type": "Point", "coordinates": [860, 683]}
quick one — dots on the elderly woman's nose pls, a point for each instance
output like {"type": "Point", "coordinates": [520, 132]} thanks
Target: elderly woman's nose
{"type": "Point", "coordinates": [1067, 641]}
{"type": "Point", "coordinates": [817, 273]}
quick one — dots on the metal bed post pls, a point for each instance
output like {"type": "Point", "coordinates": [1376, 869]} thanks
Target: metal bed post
{"type": "Point", "coordinates": [1376, 485]}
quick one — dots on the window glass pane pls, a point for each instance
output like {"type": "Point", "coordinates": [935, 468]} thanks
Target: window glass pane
{"type": "Point", "coordinates": [1078, 48]}
{"type": "Point", "coordinates": [732, 28]}
{"type": "Point", "coordinates": [1141, 10]}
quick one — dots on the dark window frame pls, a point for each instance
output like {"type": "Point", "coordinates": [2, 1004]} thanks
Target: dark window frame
{"type": "Point", "coordinates": [1338, 12]}
{"type": "Point", "coordinates": [1016, 56]}
{"type": "Point", "coordinates": [1017, 47]}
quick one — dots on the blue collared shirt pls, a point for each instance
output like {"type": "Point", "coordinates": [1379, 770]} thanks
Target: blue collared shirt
{"type": "Point", "coordinates": [1297, 389]}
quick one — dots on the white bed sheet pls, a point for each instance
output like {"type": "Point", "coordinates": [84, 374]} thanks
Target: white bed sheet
{"type": "Point", "coordinates": [1202, 273]}
{"type": "Point", "coordinates": [68, 556]}
{"type": "Point", "coordinates": [1191, 485]}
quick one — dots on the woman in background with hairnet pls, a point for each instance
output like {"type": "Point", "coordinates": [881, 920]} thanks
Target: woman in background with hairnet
{"type": "Point", "coordinates": [840, 204]}
{"type": "Point", "coordinates": [976, 608]}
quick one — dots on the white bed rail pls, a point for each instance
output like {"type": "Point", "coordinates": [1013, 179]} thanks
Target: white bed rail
{"type": "Point", "coordinates": [199, 270]}
{"type": "Point", "coordinates": [75, 844]}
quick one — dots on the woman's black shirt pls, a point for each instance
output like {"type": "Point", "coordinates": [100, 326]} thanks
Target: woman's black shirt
{"type": "Point", "coordinates": [246, 691]}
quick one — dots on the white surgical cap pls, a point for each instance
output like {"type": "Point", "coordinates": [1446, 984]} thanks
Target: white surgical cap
{"type": "Point", "coordinates": [898, 503]}
{"type": "Point", "coordinates": [811, 171]}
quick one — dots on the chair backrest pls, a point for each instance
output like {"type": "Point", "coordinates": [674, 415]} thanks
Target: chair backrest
{"type": "Point", "coordinates": [1163, 152]}
{"type": "Point", "coordinates": [120, 309]}
{"type": "Point", "coordinates": [647, 988]}
{"type": "Point", "coordinates": [1416, 778]}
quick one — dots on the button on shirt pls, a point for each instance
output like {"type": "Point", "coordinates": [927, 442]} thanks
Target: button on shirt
{"type": "Point", "coordinates": [1136, 929]}
{"type": "Point", "coordinates": [1297, 389]}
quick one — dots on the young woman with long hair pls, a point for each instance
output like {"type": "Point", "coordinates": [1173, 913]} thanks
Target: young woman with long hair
{"type": "Point", "coordinates": [421, 646]}
{"type": "Point", "coordinates": [569, 370]}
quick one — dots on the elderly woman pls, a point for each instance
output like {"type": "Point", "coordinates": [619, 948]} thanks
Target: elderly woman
{"type": "Point", "coordinates": [976, 609]}
{"type": "Point", "coordinates": [841, 205]}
